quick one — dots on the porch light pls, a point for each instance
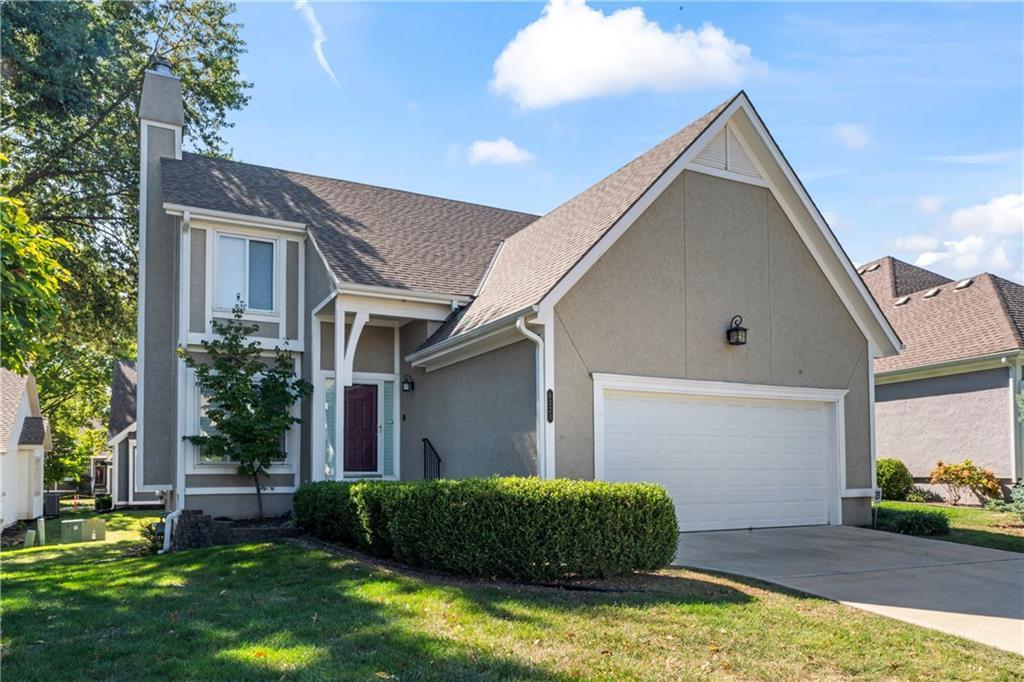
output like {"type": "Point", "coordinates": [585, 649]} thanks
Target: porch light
{"type": "Point", "coordinates": [736, 334]}
{"type": "Point", "coordinates": [408, 384]}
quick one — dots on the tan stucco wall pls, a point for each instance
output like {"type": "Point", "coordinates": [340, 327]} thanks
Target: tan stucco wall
{"type": "Point", "coordinates": [479, 413]}
{"type": "Point", "coordinates": [659, 301]}
{"type": "Point", "coordinates": [949, 418]}
{"type": "Point", "coordinates": [374, 353]}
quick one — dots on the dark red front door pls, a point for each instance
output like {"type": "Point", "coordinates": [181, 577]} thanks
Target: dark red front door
{"type": "Point", "coordinates": [361, 428]}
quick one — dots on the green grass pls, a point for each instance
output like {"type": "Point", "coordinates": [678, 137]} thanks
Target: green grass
{"type": "Point", "coordinates": [286, 611]}
{"type": "Point", "coordinates": [975, 525]}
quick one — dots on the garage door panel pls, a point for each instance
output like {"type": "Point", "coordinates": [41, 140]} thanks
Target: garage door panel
{"type": "Point", "coordinates": [726, 462]}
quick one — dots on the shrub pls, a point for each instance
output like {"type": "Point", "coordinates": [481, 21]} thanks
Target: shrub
{"type": "Point", "coordinates": [894, 479]}
{"type": "Point", "coordinates": [152, 533]}
{"type": "Point", "coordinates": [911, 521]}
{"type": "Point", "coordinates": [104, 503]}
{"type": "Point", "coordinates": [919, 494]}
{"type": "Point", "coordinates": [965, 476]}
{"type": "Point", "coordinates": [520, 528]}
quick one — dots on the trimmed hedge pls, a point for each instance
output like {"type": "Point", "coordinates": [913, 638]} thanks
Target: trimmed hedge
{"type": "Point", "coordinates": [912, 521]}
{"type": "Point", "coordinates": [521, 528]}
{"type": "Point", "coordinates": [894, 479]}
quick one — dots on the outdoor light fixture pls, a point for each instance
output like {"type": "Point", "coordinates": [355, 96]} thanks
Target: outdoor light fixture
{"type": "Point", "coordinates": [408, 384]}
{"type": "Point", "coordinates": [736, 334]}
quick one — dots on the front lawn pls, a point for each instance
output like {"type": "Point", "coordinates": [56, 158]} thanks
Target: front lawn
{"type": "Point", "coordinates": [975, 525]}
{"type": "Point", "coordinates": [287, 611]}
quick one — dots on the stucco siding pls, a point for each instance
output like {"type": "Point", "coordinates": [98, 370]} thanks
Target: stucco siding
{"type": "Point", "coordinates": [240, 506]}
{"type": "Point", "coordinates": [659, 301]}
{"type": "Point", "coordinates": [374, 353]}
{"type": "Point", "coordinates": [949, 418]}
{"type": "Point", "coordinates": [292, 290]}
{"type": "Point", "coordinates": [479, 413]}
{"type": "Point", "coordinates": [318, 285]}
{"type": "Point", "coordinates": [159, 364]}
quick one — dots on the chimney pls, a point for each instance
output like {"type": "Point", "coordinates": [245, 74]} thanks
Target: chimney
{"type": "Point", "coordinates": [161, 120]}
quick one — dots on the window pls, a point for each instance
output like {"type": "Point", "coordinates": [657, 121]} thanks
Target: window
{"type": "Point", "coordinates": [208, 428]}
{"type": "Point", "coordinates": [245, 270]}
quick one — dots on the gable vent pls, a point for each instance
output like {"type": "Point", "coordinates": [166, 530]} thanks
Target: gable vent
{"type": "Point", "coordinates": [932, 293]}
{"type": "Point", "coordinates": [725, 152]}
{"type": "Point", "coordinates": [963, 284]}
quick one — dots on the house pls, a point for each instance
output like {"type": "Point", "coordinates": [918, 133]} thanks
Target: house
{"type": "Point", "coordinates": [113, 472]}
{"type": "Point", "coordinates": [453, 339]}
{"type": "Point", "coordinates": [950, 395]}
{"type": "Point", "coordinates": [25, 440]}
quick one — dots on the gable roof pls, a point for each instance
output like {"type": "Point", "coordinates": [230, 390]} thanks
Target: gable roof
{"type": "Point", "coordinates": [367, 234]}
{"type": "Point", "coordinates": [34, 431]}
{"type": "Point", "coordinates": [540, 260]}
{"type": "Point", "coordinates": [982, 319]}
{"type": "Point", "coordinates": [12, 386]}
{"type": "Point", "coordinates": [534, 259]}
{"type": "Point", "coordinates": [122, 397]}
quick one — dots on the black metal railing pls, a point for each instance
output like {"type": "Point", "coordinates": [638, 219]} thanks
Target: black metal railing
{"type": "Point", "coordinates": [431, 461]}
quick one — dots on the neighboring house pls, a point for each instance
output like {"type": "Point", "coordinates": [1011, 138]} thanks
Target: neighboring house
{"type": "Point", "coordinates": [587, 343]}
{"type": "Point", "coordinates": [25, 440]}
{"type": "Point", "coordinates": [950, 395]}
{"type": "Point", "coordinates": [114, 472]}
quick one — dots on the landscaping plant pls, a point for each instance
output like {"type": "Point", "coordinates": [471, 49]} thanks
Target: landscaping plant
{"type": "Point", "coordinates": [520, 528]}
{"type": "Point", "coordinates": [911, 521]}
{"type": "Point", "coordinates": [963, 477]}
{"type": "Point", "coordinates": [894, 479]}
{"type": "Point", "coordinates": [103, 503]}
{"type": "Point", "coordinates": [249, 396]}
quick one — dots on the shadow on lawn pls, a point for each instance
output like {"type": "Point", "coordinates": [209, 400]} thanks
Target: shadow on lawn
{"type": "Point", "coordinates": [276, 611]}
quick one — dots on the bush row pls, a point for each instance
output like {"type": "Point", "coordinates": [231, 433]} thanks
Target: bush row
{"type": "Point", "coordinates": [912, 521]}
{"type": "Point", "coordinates": [520, 528]}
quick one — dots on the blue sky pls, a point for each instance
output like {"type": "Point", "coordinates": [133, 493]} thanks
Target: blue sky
{"type": "Point", "coordinates": [904, 120]}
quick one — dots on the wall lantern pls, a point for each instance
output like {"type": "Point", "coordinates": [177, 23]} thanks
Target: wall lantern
{"type": "Point", "coordinates": [736, 334]}
{"type": "Point", "coordinates": [408, 384]}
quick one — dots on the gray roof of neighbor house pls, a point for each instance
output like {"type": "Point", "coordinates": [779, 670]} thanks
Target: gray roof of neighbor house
{"type": "Point", "coordinates": [33, 431]}
{"type": "Point", "coordinates": [982, 318]}
{"type": "Point", "coordinates": [368, 235]}
{"type": "Point", "coordinates": [11, 388]}
{"type": "Point", "coordinates": [533, 260]}
{"type": "Point", "coordinates": [122, 397]}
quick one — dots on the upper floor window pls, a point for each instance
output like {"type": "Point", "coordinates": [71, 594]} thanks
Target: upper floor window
{"type": "Point", "coordinates": [245, 270]}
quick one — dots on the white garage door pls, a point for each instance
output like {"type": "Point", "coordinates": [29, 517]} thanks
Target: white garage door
{"type": "Point", "coordinates": [728, 462]}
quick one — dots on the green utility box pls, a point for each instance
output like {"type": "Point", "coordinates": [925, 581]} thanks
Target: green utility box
{"type": "Point", "coordinates": [71, 530]}
{"type": "Point", "coordinates": [83, 530]}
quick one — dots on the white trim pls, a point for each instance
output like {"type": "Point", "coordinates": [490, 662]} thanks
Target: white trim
{"type": "Point", "coordinates": [858, 492]}
{"type": "Point", "coordinates": [835, 398]}
{"type": "Point", "coordinates": [463, 344]}
{"type": "Point", "coordinates": [120, 436]}
{"type": "Point", "coordinates": [274, 490]}
{"type": "Point", "coordinates": [353, 342]}
{"type": "Point", "coordinates": [949, 367]}
{"type": "Point", "coordinates": [323, 304]}
{"type": "Point", "coordinates": [539, 392]}
{"type": "Point", "coordinates": [548, 321]}
{"type": "Point", "coordinates": [300, 298]}
{"type": "Point", "coordinates": [415, 295]}
{"type": "Point", "coordinates": [195, 341]}
{"type": "Point", "coordinates": [872, 445]}
{"type": "Point", "coordinates": [887, 337]}
{"type": "Point", "coordinates": [339, 388]}
{"type": "Point", "coordinates": [1015, 425]}
{"type": "Point", "coordinates": [490, 266]}
{"type": "Point", "coordinates": [316, 429]}
{"type": "Point", "coordinates": [276, 312]}
{"type": "Point", "coordinates": [396, 402]}
{"type": "Point", "coordinates": [330, 273]}
{"type": "Point", "coordinates": [727, 174]}
{"type": "Point", "coordinates": [237, 218]}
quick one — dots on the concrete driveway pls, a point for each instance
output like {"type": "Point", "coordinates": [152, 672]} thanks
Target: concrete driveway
{"type": "Point", "coordinates": [968, 591]}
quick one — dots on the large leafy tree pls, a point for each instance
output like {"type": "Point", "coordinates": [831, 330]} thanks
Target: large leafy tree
{"type": "Point", "coordinates": [249, 399]}
{"type": "Point", "coordinates": [72, 75]}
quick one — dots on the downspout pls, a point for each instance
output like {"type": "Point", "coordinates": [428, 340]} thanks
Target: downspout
{"type": "Point", "coordinates": [539, 364]}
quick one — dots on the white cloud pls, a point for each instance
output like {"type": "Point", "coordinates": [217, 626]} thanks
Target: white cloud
{"type": "Point", "coordinates": [985, 237]}
{"type": "Point", "coordinates": [574, 52]}
{"type": "Point", "coordinates": [982, 159]}
{"type": "Point", "coordinates": [835, 221]}
{"type": "Point", "coordinates": [915, 242]}
{"type": "Point", "coordinates": [853, 135]}
{"type": "Point", "coordinates": [930, 204]}
{"type": "Point", "coordinates": [319, 37]}
{"type": "Point", "coordinates": [1000, 216]}
{"type": "Point", "coordinates": [502, 151]}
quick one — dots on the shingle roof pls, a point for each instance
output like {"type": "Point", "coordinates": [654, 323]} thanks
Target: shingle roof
{"type": "Point", "coordinates": [12, 386]}
{"type": "Point", "coordinates": [122, 397]}
{"type": "Point", "coordinates": [33, 431]}
{"type": "Point", "coordinates": [982, 319]}
{"type": "Point", "coordinates": [534, 259]}
{"type": "Point", "coordinates": [368, 234]}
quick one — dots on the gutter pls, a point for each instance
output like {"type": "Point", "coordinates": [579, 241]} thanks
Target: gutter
{"type": "Point", "coordinates": [466, 338]}
{"type": "Point", "coordinates": [910, 373]}
{"type": "Point", "coordinates": [539, 365]}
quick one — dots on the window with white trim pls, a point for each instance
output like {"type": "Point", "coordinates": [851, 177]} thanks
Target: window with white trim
{"type": "Point", "coordinates": [208, 428]}
{"type": "Point", "coordinates": [245, 271]}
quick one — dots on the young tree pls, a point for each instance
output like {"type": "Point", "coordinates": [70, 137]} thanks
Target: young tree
{"type": "Point", "coordinates": [249, 399]}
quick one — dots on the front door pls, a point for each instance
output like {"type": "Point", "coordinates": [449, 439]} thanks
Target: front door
{"type": "Point", "coordinates": [361, 428]}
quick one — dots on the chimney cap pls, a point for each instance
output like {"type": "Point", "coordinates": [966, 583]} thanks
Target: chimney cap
{"type": "Point", "coordinates": [161, 65]}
